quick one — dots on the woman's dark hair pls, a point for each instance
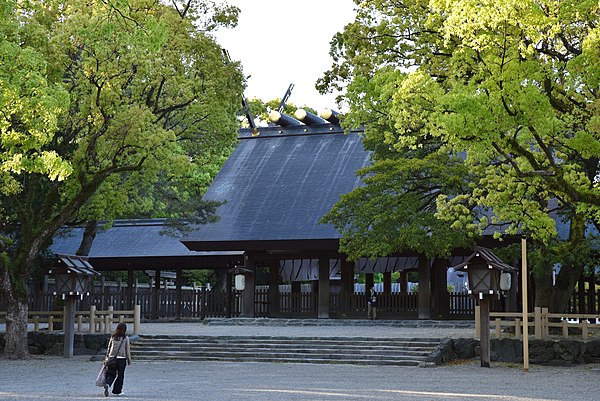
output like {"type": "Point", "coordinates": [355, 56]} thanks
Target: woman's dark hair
{"type": "Point", "coordinates": [120, 331]}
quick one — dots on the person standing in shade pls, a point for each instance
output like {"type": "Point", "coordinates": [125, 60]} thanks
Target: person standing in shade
{"type": "Point", "coordinates": [372, 303]}
{"type": "Point", "coordinates": [118, 346]}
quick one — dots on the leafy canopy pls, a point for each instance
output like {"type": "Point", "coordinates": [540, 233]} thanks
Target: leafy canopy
{"type": "Point", "coordinates": [503, 93]}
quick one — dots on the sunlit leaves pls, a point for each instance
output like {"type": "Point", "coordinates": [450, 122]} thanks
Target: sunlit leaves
{"type": "Point", "coordinates": [509, 86]}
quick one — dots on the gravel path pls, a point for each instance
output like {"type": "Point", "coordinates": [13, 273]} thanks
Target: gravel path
{"type": "Point", "coordinates": [56, 378]}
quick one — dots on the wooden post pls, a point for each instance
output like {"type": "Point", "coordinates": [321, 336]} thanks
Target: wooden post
{"type": "Point", "coordinates": [79, 323]}
{"type": "Point", "coordinates": [130, 281]}
{"type": "Point", "coordinates": [477, 322]}
{"type": "Point", "coordinates": [537, 318]}
{"type": "Point", "coordinates": [92, 328]}
{"type": "Point", "coordinates": [498, 328]}
{"type": "Point", "coordinates": [525, 306]}
{"type": "Point", "coordinates": [137, 317]}
{"type": "Point", "coordinates": [324, 290]}
{"type": "Point", "coordinates": [156, 294]}
{"type": "Point", "coordinates": [296, 304]}
{"type": "Point", "coordinates": [484, 304]}
{"type": "Point", "coordinates": [518, 328]}
{"type": "Point", "coordinates": [545, 324]}
{"type": "Point", "coordinates": [592, 294]}
{"type": "Point", "coordinates": [424, 296]}
{"type": "Point", "coordinates": [581, 306]}
{"type": "Point", "coordinates": [109, 320]}
{"type": "Point", "coordinates": [273, 295]}
{"type": "Point", "coordinates": [565, 328]}
{"type": "Point", "coordinates": [584, 330]}
{"type": "Point", "coordinates": [178, 294]}
{"type": "Point", "coordinates": [50, 323]}
{"type": "Point", "coordinates": [347, 289]}
{"type": "Point", "coordinates": [249, 292]}
{"type": "Point", "coordinates": [439, 288]}
{"type": "Point", "coordinates": [229, 292]}
{"type": "Point", "coordinates": [403, 281]}
{"type": "Point", "coordinates": [68, 326]}
{"type": "Point", "coordinates": [387, 283]}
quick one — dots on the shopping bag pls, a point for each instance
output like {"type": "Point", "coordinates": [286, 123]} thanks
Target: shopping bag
{"type": "Point", "coordinates": [101, 379]}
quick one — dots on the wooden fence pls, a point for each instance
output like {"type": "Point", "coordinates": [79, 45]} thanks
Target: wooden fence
{"type": "Point", "coordinates": [545, 325]}
{"type": "Point", "coordinates": [202, 303]}
{"type": "Point", "coordinates": [91, 321]}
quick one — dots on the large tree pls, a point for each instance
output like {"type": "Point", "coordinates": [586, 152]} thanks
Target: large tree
{"type": "Point", "coordinates": [509, 90]}
{"type": "Point", "coordinates": [102, 101]}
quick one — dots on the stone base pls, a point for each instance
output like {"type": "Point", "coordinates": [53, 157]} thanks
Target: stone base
{"type": "Point", "coordinates": [554, 353]}
{"type": "Point", "coordinates": [40, 343]}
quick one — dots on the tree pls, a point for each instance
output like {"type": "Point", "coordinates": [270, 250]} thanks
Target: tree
{"type": "Point", "coordinates": [135, 93]}
{"type": "Point", "coordinates": [508, 90]}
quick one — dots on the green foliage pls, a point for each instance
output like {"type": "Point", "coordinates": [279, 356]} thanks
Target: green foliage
{"type": "Point", "coordinates": [109, 109]}
{"type": "Point", "coordinates": [479, 114]}
{"type": "Point", "coordinates": [146, 116]}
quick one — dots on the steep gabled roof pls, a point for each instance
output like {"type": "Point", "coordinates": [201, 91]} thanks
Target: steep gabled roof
{"type": "Point", "coordinates": [278, 185]}
{"type": "Point", "coordinates": [489, 256]}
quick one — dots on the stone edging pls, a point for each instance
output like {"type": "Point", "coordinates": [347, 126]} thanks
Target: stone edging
{"type": "Point", "coordinates": [542, 352]}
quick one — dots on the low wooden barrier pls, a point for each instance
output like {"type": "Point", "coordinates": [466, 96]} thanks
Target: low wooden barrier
{"type": "Point", "coordinates": [541, 321]}
{"type": "Point", "coordinates": [92, 321]}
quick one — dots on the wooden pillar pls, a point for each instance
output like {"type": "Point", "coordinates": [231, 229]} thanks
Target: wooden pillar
{"type": "Point", "coordinates": [68, 326]}
{"type": "Point", "coordinates": [485, 331]}
{"type": "Point", "coordinates": [591, 294]}
{"type": "Point", "coordinates": [387, 283]}
{"type": "Point", "coordinates": [178, 295]}
{"type": "Point", "coordinates": [296, 296]}
{"type": "Point", "coordinates": [248, 294]}
{"type": "Point", "coordinates": [274, 297]}
{"type": "Point", "coordinates": [130, 290]}
{"type": "Point", "coordinates": [369, 281]}
{"type": "Point", "coordinates": [581, 295]}
{"type": "Point", "coordinates": [229, 293]}
{"type": "Point", "coordinates": [439, 285]}
{"type": "Point", "coordinates": [324, 291]}
{"type": "Point", "coordinates": [156, 295]}
{"type": "Point", "coordinates": [424, 296]}
{"type": "Point", "coordinates": [403, 281]}
{"type": "Point", "coordinates": [347, 287]}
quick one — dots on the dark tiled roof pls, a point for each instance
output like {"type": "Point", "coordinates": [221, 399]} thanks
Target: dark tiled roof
{"type": "Point", "coordinates": [277, 186]}
{"type": "Point", "coordinates": [135, 241]}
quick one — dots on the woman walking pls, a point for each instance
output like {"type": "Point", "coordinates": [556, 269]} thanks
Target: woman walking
{"type": "Point", "coordinates": [118, 347]}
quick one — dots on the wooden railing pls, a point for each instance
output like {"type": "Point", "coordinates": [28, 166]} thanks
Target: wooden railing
{"type": "Point", "coordinates": [92, 321]}
{"type": "Point", "coordinates": [541, 321]}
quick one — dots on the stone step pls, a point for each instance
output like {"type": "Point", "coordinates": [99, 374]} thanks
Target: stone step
{"type": "Point", "coordinates": [290, 348]}
{"type": "Point", "coordinates": [269, 343]}
{"type": "Point", "coordinates": [289, 351]}
{"type": "Point", "coordinates": [288, 360]}
{"type": "Point", "coordinates": [371, 351]}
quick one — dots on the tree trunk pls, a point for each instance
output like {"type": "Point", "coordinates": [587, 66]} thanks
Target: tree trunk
{"type": "Point", "coordinates": [556, 297]}
{"type": "Point", "coordinates": [544, 289]}
{"type": "Point", "coordinates": [89, 234]}
{"type": "Point", "coordinates": [16, 320]}
{"type": "Point", "coordinates": [564, 287]}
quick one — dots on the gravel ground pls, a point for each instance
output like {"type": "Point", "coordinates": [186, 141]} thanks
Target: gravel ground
{"type": "Point", "coordinates": [56, 378]}
{"type": "Point", "coordinates": [199, 329]}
